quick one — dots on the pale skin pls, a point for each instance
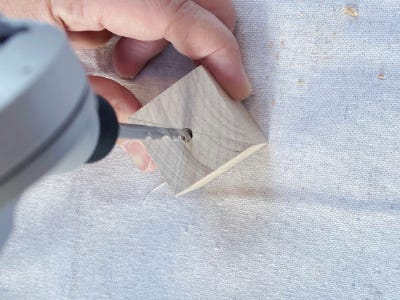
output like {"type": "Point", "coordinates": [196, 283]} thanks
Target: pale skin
{"type": "Point", "coordinates": [199, 29]}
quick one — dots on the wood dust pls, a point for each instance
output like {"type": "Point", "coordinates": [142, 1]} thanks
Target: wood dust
{"type": "Point", "coordinates": [301, 82]}
{"type": "Point", "coordinates": [351, 11]}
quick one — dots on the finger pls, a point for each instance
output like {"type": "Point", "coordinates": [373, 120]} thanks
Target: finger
{"type": "Point", "coordinates": [124, 104]}
{"type": "Point", "coordinates": [131, 55]}
{"type": "Point", "coordinates": [121, 99]}
{"type": "Point", "coordinates": [139, 155]}
{"type": "Point", "coordinates": [193, 30]}
{"type": "Point", "coordinates": [222, 9]}
{"type": "Point", "coordinates": [212, 44]}
{"type": "Point", "coordinates": [88, 39]}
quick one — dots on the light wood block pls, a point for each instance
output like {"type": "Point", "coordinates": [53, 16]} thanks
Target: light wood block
{"type": "Point", "coordinates": [224, 133]}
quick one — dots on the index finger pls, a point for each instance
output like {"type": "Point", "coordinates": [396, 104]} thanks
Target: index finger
{"type": "Point", "coordinates": [194, 31]}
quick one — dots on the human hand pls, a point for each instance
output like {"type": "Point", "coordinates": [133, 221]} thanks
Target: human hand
{"type": "Point", "coordinates": [199, 29]}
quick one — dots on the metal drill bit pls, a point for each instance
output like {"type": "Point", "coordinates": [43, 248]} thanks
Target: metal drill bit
{"type": "Point", "coordinates": [142, 132]}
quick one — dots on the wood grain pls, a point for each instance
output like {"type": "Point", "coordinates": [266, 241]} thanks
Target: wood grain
{"type": "Point", "coordinates": [224, 133]}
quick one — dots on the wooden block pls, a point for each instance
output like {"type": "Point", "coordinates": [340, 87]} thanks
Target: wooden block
{"type": "Point", "coordinates": [224, 133]}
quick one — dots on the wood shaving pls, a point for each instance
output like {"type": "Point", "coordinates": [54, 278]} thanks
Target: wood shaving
{"type": "Point", "coordinates": [351, 11]}
{"type": "Point", "coordinates": [301, 82]}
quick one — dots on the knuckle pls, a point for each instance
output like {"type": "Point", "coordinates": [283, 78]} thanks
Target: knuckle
{"type": "Point", "coordinates": [227, 14]}
{"type": "Point", "coordinates": [179, 6]}
{"type": "Point", "coordinates": [167, 5]}
{"type": "Point", "coordinates": [68, 12]}
{"type": "Point", "coordinates": [169, 11]}
{"type": "Point", "coordinates": [176, 12]}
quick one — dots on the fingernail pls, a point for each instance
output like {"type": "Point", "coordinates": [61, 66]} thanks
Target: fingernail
{"type": "Point", "coordinates": [248, 87]}
{"type": "Point", "coordinates": [130, 76]}
{"type": "Point", "coordinates": [125, 76]}
{"type": "Point", "coordinates": [151, 166]}
{"type": "Point", "coordinates": [138, 153]}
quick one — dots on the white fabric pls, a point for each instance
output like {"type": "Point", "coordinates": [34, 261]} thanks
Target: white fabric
{"type": "Point", "coordinates": [316, 215]}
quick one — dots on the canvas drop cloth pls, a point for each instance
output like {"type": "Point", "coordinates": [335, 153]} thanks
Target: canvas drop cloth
{"type": "Point", "coordinates": [315, 215]}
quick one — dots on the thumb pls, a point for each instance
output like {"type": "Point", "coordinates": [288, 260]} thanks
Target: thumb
{"type": "Point", "coordinates": [124, 104]}
{"type": "Point", "coordinates": [120, 98]}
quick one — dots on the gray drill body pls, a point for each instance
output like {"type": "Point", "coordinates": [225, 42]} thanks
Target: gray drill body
{"type": "Point", "coordinates": [49, 116]}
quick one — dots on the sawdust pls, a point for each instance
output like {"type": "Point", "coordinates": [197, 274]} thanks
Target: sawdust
{"type": "Point", "coordinates": [382, 76]}
{"type": "Point", "coordinates": [301, 82]}
{"type": "Point", "coordinates": [270, 45]}
{"type": "Point", "coordinates": [351, 11]}
{"type": "Point", "coordinates": [273, 102]}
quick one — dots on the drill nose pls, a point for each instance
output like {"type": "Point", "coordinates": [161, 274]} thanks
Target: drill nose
{"type": "Point", "coordinates": [7, 31]}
